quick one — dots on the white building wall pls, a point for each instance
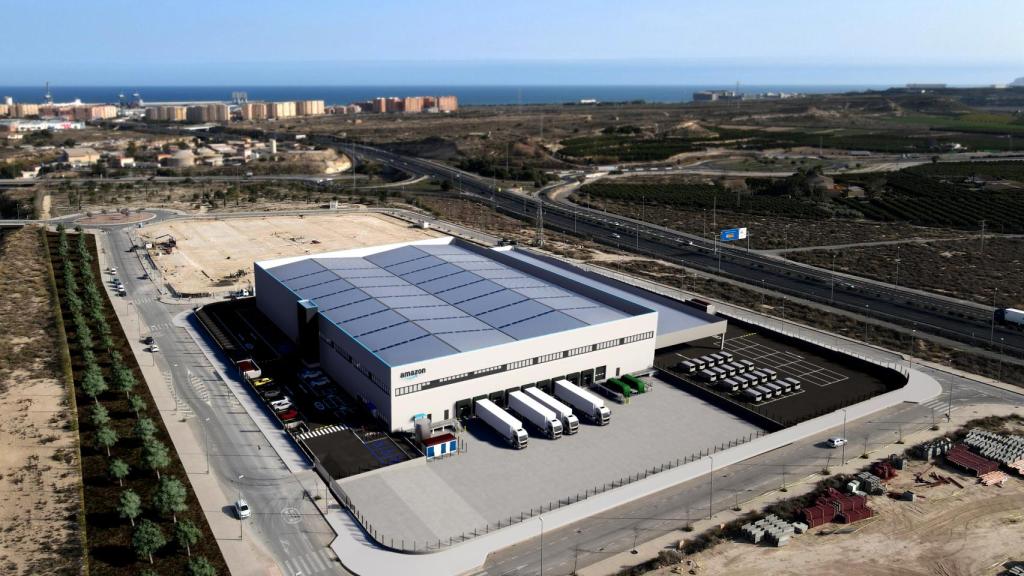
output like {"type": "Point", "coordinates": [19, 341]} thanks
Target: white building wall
{"type": "Point", "coordinates": [618, 360]}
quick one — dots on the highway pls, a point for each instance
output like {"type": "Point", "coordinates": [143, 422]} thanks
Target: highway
{"type": "Point", "coordinates": [962, 321]}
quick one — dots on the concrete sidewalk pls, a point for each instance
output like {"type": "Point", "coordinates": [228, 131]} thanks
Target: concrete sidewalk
{"type": "Point", "coordinates": [243, 556]}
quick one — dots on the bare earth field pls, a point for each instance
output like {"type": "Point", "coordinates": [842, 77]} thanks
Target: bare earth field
{"type": "Point", "coordinates": [214, 255]}
{"type": "Point", "coordinates": [956, 268]}
{"type": "Point", "coordinates": [39, 474]}
{"type": "Point", "coordinates": [951, 532]}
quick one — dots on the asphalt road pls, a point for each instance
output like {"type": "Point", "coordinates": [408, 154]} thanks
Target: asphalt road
{"type": "Point", "coordinates": [620, 529]}
{"type": "Point", "coordinates": [296, 540]}
{"type": "Point", "coordinates": [962, 321]}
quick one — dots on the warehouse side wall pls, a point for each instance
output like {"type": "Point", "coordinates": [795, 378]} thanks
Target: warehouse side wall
{"type": "Point", "coordinates": [276, 302]}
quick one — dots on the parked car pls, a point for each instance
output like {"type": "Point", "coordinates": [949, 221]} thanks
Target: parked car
{"type": "Point", "coordinates": [242, 508]}
{"type": "Point", "coordinates": [288, 415]}
{"type": "Point", "coordinates": [321, 381]}
{"type": "Point", "coordinates": [262, 382]}
{"type": "Point", "coordinates": [309, 374]}
{"type": "Point", "coordinates": [154, 348]}
{"type": "Point", "coordinates": [282, 403]}
{"type": "Point", "coordinates": [148, 340]}
{"type": "Point", "coordinates": [836, 442]}
{"type": "Point", "coordinates": [270, 392]}
{"type": "Point", "coordinates": [112, 270]}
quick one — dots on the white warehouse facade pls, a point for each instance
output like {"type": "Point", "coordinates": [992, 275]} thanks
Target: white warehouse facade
{"type": "Point", "coordinates": [425, 328]}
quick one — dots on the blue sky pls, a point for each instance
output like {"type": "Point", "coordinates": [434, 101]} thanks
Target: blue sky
{"type": "Point", "coordinates": [525, 42]}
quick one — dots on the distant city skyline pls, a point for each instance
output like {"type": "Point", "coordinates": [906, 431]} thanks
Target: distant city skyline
{"type": "Point", "coordinates": [571, 42]}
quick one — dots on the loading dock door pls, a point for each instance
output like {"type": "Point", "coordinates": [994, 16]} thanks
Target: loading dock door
{"type": "Point", "coordinates": [463, 409]}
{"type": "Point", "coordinates": [587, 378]}
{"type": "Point", "coordinates": [574, 377]}
{"type": "Point", "coordinates": [497, 397]}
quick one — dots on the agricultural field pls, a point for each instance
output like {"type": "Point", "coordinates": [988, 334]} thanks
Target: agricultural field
{"type": "Point", "coordinates": [908, 196]}
{"type": "Point", "coordinates": [697, 211]}
{"type": "Point", "coordinates": [956, 268]}
{"type": "Point", "coordinates": [616, 148]}
{"type": "Point", "coordinates": [41, 521]}
{"type": "Point", "coordinates": [140, 509]}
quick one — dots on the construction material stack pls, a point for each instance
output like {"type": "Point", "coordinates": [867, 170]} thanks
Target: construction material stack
{"type": "Point", "coordinates": [835, 506]}
{"type": "Point", "coordinates": [871, 483]}
{"type": "Point", "coordinates": [772, 528]}
{"type": "Point", "coordinates": [929, 450]}
{"type": "Point", "coordinates": [1003, 449]}
{"type": "Point", "coordinates": [962, 457]}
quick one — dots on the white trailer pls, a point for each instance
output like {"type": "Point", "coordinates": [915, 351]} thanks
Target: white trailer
{"type": "Point", "coordinates": [570, 423]}
{"type": "Point", "coordinates": [536, 414]}
{"type": "Point", "coordinates": [502, 422]}
{"type": "Point", "coordinates": [588, 404]}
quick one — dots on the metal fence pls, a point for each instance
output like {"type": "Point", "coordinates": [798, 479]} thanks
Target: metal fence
{"type": "Point", "coordinates": [427, 546]}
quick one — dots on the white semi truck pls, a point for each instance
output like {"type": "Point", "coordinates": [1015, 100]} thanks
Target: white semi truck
{"type": "Point", "coordinates": [502, 422]}
{"type": "Point", "coordinates": [570, 423]}
{"type": "Point", "coordinates": [536, 413]}
{"type": "Point", "coordinates": [582, 400]}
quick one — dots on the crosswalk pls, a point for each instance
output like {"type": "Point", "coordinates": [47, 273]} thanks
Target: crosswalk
{"type": "Point", "coordinates": [940, 405]}
{"type": "Point", "coordinates": [312, 563]}
{"type": "Point", "coordinates": [321, 431]}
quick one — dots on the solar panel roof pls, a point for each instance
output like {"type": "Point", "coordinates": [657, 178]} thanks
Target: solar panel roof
{"type": "Point", "coordinates": [418, 302]}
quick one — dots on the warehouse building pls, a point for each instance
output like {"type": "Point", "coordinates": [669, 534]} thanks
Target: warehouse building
{"type": "Point", "coordinates": [423, 329]}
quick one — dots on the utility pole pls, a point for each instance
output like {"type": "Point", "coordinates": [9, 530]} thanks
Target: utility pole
{"type": "Point", "coordinates": [711, 487]}
{"type": "Point", "coordinates": [897, 282]}
{"type": "Point", "coordinates": [540, 222]}
{"type": "Point", "coordinates": [983, 237]}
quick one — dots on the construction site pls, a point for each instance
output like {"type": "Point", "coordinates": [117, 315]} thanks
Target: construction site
{"type": "Point", "coordinates": [949, 505]}
{"type": "Point", "coordinates": [215, 255]}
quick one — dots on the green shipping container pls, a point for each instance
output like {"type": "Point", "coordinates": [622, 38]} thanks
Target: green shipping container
{"type": "Point", "coordinates": [621, 387]}
{"type": "Point", "coordinates": [637, 383]}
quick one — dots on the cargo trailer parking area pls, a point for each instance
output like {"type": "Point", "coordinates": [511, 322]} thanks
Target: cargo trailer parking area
{"type": "Point", "coordinates": [775, 377]}
{"type": "Point", "coordinates": [490, 482]}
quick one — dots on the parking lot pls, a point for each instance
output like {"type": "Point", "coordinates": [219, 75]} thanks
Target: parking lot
{"type": "Point", "coordinates": [326, 421]}
{"type": "Point", "coordinates": [828, 381]}
{"type": "Point", "coordinates": [489, 481]}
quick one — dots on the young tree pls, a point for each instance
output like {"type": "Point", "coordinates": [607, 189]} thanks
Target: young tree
{"type": "Point", "coordinates": [130, 505]}
{"type": "Point", "coordinates": [137, 404]}
{"type": "Point", "coordinates": [154, 455]}
{"type": "Point", "coordinates": [148, 538]}
{"type": "Point", "coordinates": [93, 383]}
{"type": "Point", "coordinates": [199, 566]}
{"type": "Point", "coordinates": [118, 470]}
{"type": "Point", "coordinates": [186, 534]}
{"type": "Point", "coordinates": [105, 438]}
{"type": "Point", "coordinates": [144, 428]}
{"type": "Point", "coordinates": [169, 498]}
{"type": "Point", "coordinates": [99, 416]}
{"type": "Point", "coordinates": [123, 379]}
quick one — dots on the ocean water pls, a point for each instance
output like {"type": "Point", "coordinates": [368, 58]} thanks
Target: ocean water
{"type": "Point", "coordinates": [468, 95]}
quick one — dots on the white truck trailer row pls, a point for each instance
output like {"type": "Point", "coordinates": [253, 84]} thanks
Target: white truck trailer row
{"type": "Point", "coordinates": [503, 423]}
{"type": "Point", "coordinates": [570, 423]}
{"type": "Point", "coordinates": [536, 413]}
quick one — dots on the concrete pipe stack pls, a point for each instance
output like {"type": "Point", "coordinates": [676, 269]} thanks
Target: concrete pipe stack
{"type": "Point", "coordinates": [1002, 449]}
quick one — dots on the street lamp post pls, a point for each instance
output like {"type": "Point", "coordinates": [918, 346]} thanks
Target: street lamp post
{"type": "Point", "coordinates": [844, 436]}
{"type": "Point", "coordinates": [711, 487]}
{"type": "Point", "coordinates": [541, 518]}
{"type": "Point", "coordinates": [206, 444]}
{"type": "Point", "coordinates": [240, 476]}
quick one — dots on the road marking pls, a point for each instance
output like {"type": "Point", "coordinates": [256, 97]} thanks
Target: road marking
{"type": "Point", "coordinates": [316, 562]}
{"type": "Point", "coordinates": [291, 515]}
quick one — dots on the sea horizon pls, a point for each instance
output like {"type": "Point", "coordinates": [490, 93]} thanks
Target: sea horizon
{"type": "Point", "coordinates": [469, 95]}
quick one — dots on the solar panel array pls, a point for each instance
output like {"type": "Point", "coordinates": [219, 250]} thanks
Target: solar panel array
{"type": "Point", "coordinates": [419, 302]}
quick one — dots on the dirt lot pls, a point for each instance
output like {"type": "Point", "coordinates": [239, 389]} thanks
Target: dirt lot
{"type": "Point", "coordinates": [39, 475]}
{"type": "Point", "coordinates": [949, 532]}
{"type": "Point", "coordinates": [217, 255]}
{"type": "Point", "coordinates": [954, 268]}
